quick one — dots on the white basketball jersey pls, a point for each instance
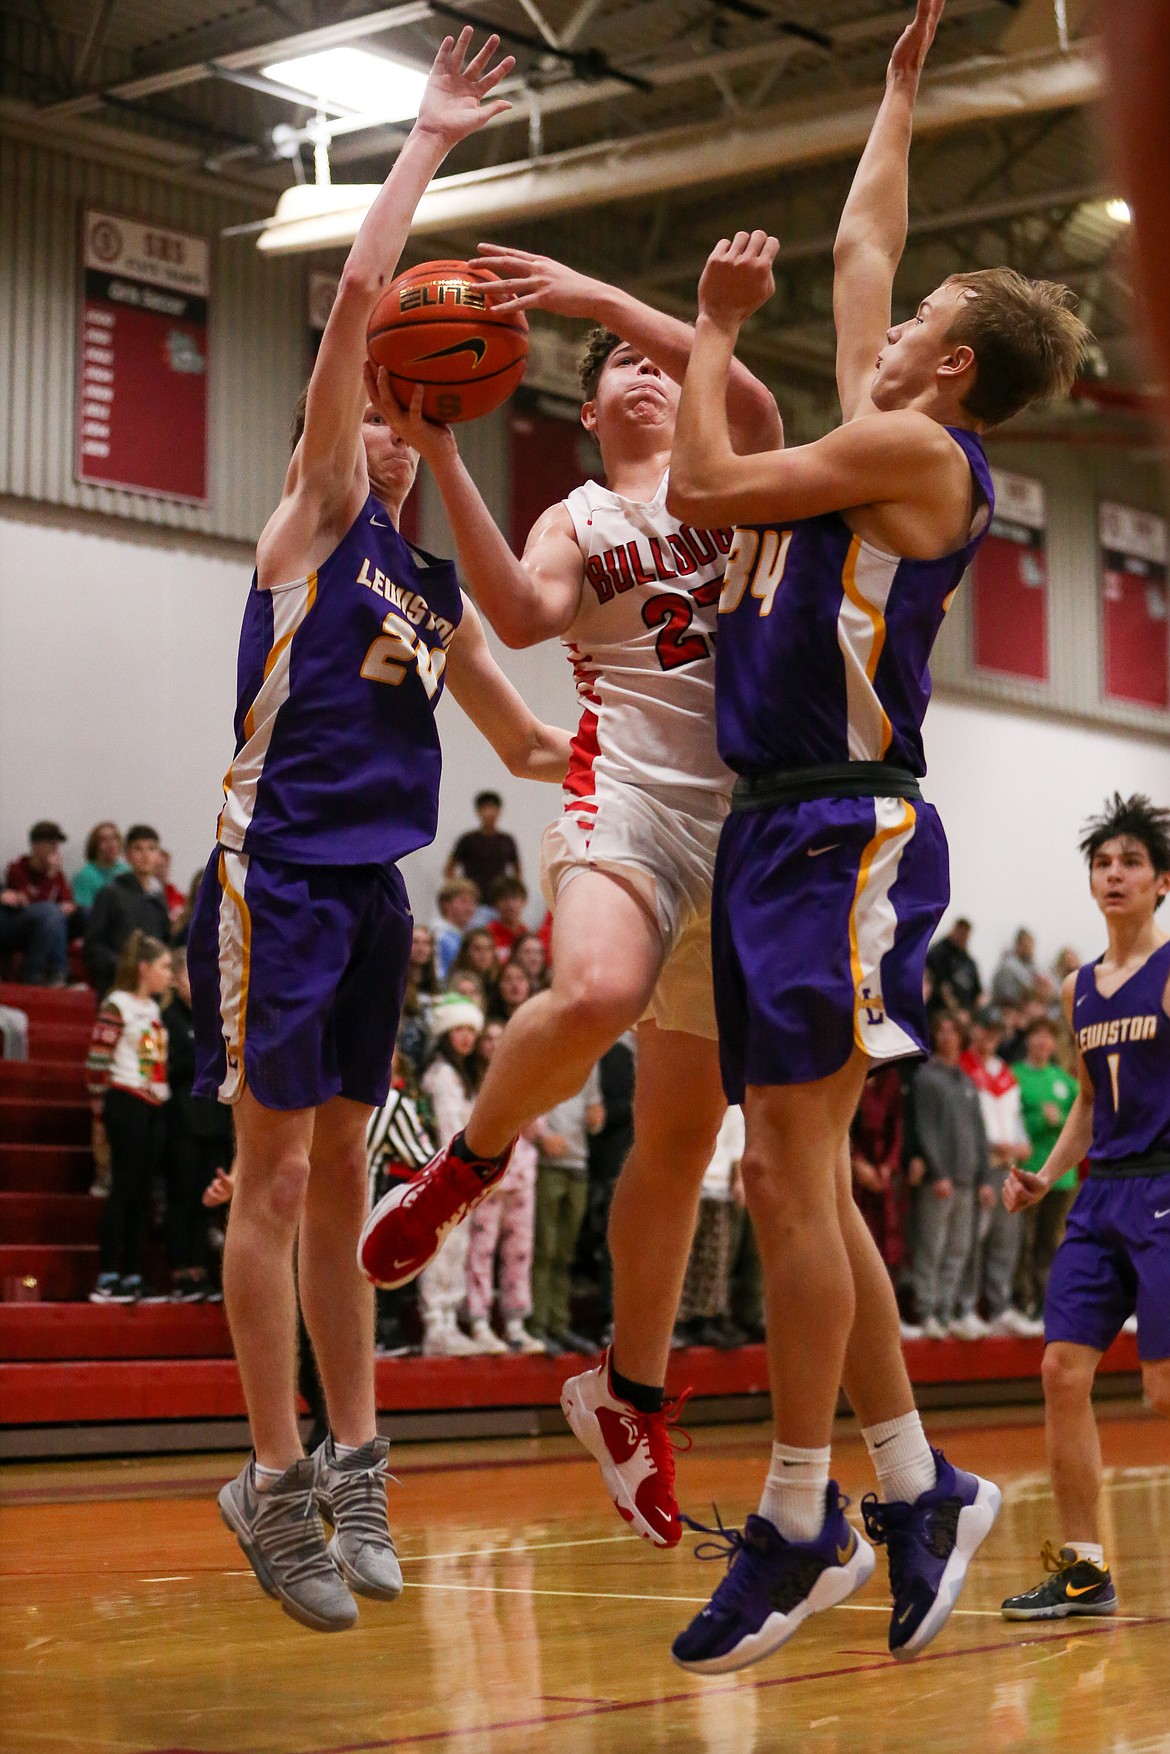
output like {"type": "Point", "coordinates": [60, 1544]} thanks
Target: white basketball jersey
{"type": "Point", "coordinates": [642, 645]}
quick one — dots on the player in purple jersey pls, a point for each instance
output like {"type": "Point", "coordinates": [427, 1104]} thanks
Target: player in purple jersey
{"type": "Point", "coordinates": [300, 940]}
{"type": "Point", "coordinates": [832, 872]}
{"type": "Point", "coordinates": [1115, 1257]}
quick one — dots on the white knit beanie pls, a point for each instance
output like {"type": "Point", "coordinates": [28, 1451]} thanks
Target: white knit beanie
{"type": "Point", "coordinates": [454, 1011]}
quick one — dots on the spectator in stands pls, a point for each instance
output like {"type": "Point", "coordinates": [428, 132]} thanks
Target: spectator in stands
{"type": "Point", "coordinates": [954, 971]}
{"type": "Point", "coordinates": [174, 898]}
{"type": "Point", "coordinates": [1047, 1093]}
{"type": "Point", "coordinates": [103, 861]}
{"type": "Point", "coordinates": [182, 926]}
{"type": "Point", "coordinates": [991, 1266]}
{"type": "Point", "coordinates": [530, 953]}
{"type": "Point", "coordinates": [13, 1033]}
{"type": "Point", "coordinates": [414, 1032]}
{"type": "Point", "coordinates": [512, 990]}
{"type": "Point", "coordinates": [198, 1146]}
{"type": "Point", "coordinates": [1067, 961]}
{"type": "Point", "coordinates": [502, 1228]}
{"type": "Point", "coordinates": [477, 953]}
{"type": "Point", "coordinates": [562, 1190]}
{"type": "Point", "coordinates": [38, 914]}
{"type": "Point", "coordinates": [450, 1081]}
{"type": "Point", "coordinates": [953, 1145]}
{"type": "Point", "coordinates": [131, 902]}
{"type": "Point", "coordinates": [457, 903]}
{"type": "Point", "coordinates": [608, 1150]}
{"type": "Point", "coordinates": [127, 1080]}
{"type": "Point", "coordinates": [705, 1305]}
{"type": "Point", "coordinates": [875, 1149]}
{"type": "Point", "coordinates": [486, 853]}
{"type": "Point", "coordinates": [509, 899]}
{"type": "Point", "coordinates": [468, 985]}
{"type": "Point", "coordinates": [1017, 979]}
{"type": "Point", "coordinates": [399, 1142]}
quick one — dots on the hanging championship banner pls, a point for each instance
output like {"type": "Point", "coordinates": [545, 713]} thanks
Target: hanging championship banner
{"type": "Point", "coordinates": [141, 418]}
{"type": "Point", "coordinates": [1009, 612]}
{"type": "Point", "coordinates": [1134, 605]}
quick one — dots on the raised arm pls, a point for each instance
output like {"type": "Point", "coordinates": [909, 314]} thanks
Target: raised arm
{"type": "Point", "coordinates": [872, 232]}
{"type": "Point", "coordinates": [525, 601]}
{"type": "Point", "coordinates": [539, 282]}
{"type": "Point", "coordinates": [529, 749]}
{"type": "Point", "coordinates": [327, 478]}
{"type": "Point", "coordinates": [910, 464]}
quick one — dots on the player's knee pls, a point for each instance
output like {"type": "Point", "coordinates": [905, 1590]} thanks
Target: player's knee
{"type": "Point", "coordinates": [1066, 1379]}
{"type": "Point", "coordinates": [785, 1201]}
{"type": "Point", "coordinates": [277, 1191]}
{"type": "Point", "coordinates": [594, 1008]}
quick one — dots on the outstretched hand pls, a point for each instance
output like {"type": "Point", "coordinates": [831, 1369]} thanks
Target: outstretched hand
{"type": "Point", "coordinates": [1023, 1189]}
{"type": "Point", "coordinates": [453, 103]}
{"type": "Point", "coordinates": [528, 281]}
{"type": "Point", "coordinates": [912, 46]}
{"type": "Point", "coordinates": [428, 437]}
{"type": "Point", "coordinates": [738, 277]}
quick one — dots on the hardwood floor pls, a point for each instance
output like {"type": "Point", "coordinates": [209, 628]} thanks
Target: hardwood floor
{"type": "Point", "coordinates": [532, 1620]}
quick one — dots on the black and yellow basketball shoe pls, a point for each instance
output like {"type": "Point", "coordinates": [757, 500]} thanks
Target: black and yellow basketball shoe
{"type": "Point", "coordinates": [1075, 1586]}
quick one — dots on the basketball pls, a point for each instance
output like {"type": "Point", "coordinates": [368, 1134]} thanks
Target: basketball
{"type": "Point", "coordinates": [433, 326]}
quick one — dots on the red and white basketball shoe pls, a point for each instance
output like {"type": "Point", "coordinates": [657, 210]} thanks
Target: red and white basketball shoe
{"type": "Point", "coordinates": [410, 1224]}
{"type": "Point", "coordinates": [635, 1450]}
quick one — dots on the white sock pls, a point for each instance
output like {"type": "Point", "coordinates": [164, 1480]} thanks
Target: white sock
{"type": "Point", "coordinates": [793, 1500]}
{"type": "Point", "coordinates": [341, 1450]}
{"type": "Point", "coordinates": [901, 1457]}
{"type": "Point", "coordinates": [263, 1478]}
{"type": "Point", "coordinates": [1088, 1550]}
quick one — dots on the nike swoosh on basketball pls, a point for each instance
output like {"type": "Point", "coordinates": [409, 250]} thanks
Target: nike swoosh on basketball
{"type": "Point", "coordinates": [473, 344]}
{"type": "Point", "coordinates": [815, 852]}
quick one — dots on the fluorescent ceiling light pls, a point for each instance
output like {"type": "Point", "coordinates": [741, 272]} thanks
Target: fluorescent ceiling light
{"type": "Point", "coordinates": [1119, 210]}
{"type": "Point", "coordinates": [370, 85]}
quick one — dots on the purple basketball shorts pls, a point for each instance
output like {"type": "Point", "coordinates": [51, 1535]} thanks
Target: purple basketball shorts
{"type": "Point", "coordinates": [1114, 1262]}
{"type": "Point", "coordinates": [821, 918]}
{"type": "Point", "coordinates": [297, 978]}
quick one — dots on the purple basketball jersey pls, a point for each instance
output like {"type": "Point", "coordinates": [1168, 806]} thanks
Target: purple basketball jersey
{"type": "Point", "coordinates": [337, 754]}
{"type": "Point", "coordinates": [1125, 1043]}
{"type": "Point", "coordinates": [824, 641]}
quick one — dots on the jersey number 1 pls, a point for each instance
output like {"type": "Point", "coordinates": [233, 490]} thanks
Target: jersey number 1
{"type": "Point", "coordinates": [1113, 1061]}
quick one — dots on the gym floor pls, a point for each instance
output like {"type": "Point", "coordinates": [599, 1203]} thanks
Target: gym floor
{"type": "Point", "coordinates": [530, 1619]}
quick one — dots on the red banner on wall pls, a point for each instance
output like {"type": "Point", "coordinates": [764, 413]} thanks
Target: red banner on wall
{"type": "Point", "coordinates": [1010, 583]}
{"type": "Point", "coordinates": [141, 418]}
{"type": "Point", "coordinates": [551, 455]}
{"type": "Point", "coordinates": [1136, 632]}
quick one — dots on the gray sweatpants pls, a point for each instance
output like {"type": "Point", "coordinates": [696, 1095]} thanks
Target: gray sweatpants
{"type": "Point", "coordinates": [991, 1268]}
{"type": "Point", "coordinates": [944, 1233]}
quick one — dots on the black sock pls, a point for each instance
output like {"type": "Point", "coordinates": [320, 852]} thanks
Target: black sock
{"type": "Point", "coordinates": [643, 1397]}
{"type": "Point", "coordinates": [484, 1167]}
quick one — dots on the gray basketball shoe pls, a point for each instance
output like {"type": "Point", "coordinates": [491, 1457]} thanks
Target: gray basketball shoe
{"type": "Point", "coordinates": [351, 1493]}
{"type": "Point", "coordinates": [281, 1534]}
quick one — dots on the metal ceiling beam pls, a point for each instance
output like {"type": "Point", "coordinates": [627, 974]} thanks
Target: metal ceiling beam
{"type": "Point", "coordinates": [956, 218]}
{"type": "Point", "coordinates": [614, 171]}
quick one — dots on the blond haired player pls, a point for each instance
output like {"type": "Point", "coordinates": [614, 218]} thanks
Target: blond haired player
{"type": "Point", "coordinates": [631, 591]}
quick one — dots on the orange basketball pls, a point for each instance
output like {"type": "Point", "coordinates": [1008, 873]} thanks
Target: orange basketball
{"type": "Point", "coordinates": [433, 326]}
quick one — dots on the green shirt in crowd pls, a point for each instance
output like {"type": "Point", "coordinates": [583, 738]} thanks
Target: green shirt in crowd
{"type": "Point", "coordinates": [89, 882]}
{"type": "Point", "coordinates": [1038, 1085]}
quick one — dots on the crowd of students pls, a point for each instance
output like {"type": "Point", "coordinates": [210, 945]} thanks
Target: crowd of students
{"type": "Point", "coordinates": [932, 1142]}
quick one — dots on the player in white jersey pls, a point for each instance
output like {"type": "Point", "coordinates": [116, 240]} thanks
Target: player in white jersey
{"type": "Point", "coordinates": [632, 593]}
